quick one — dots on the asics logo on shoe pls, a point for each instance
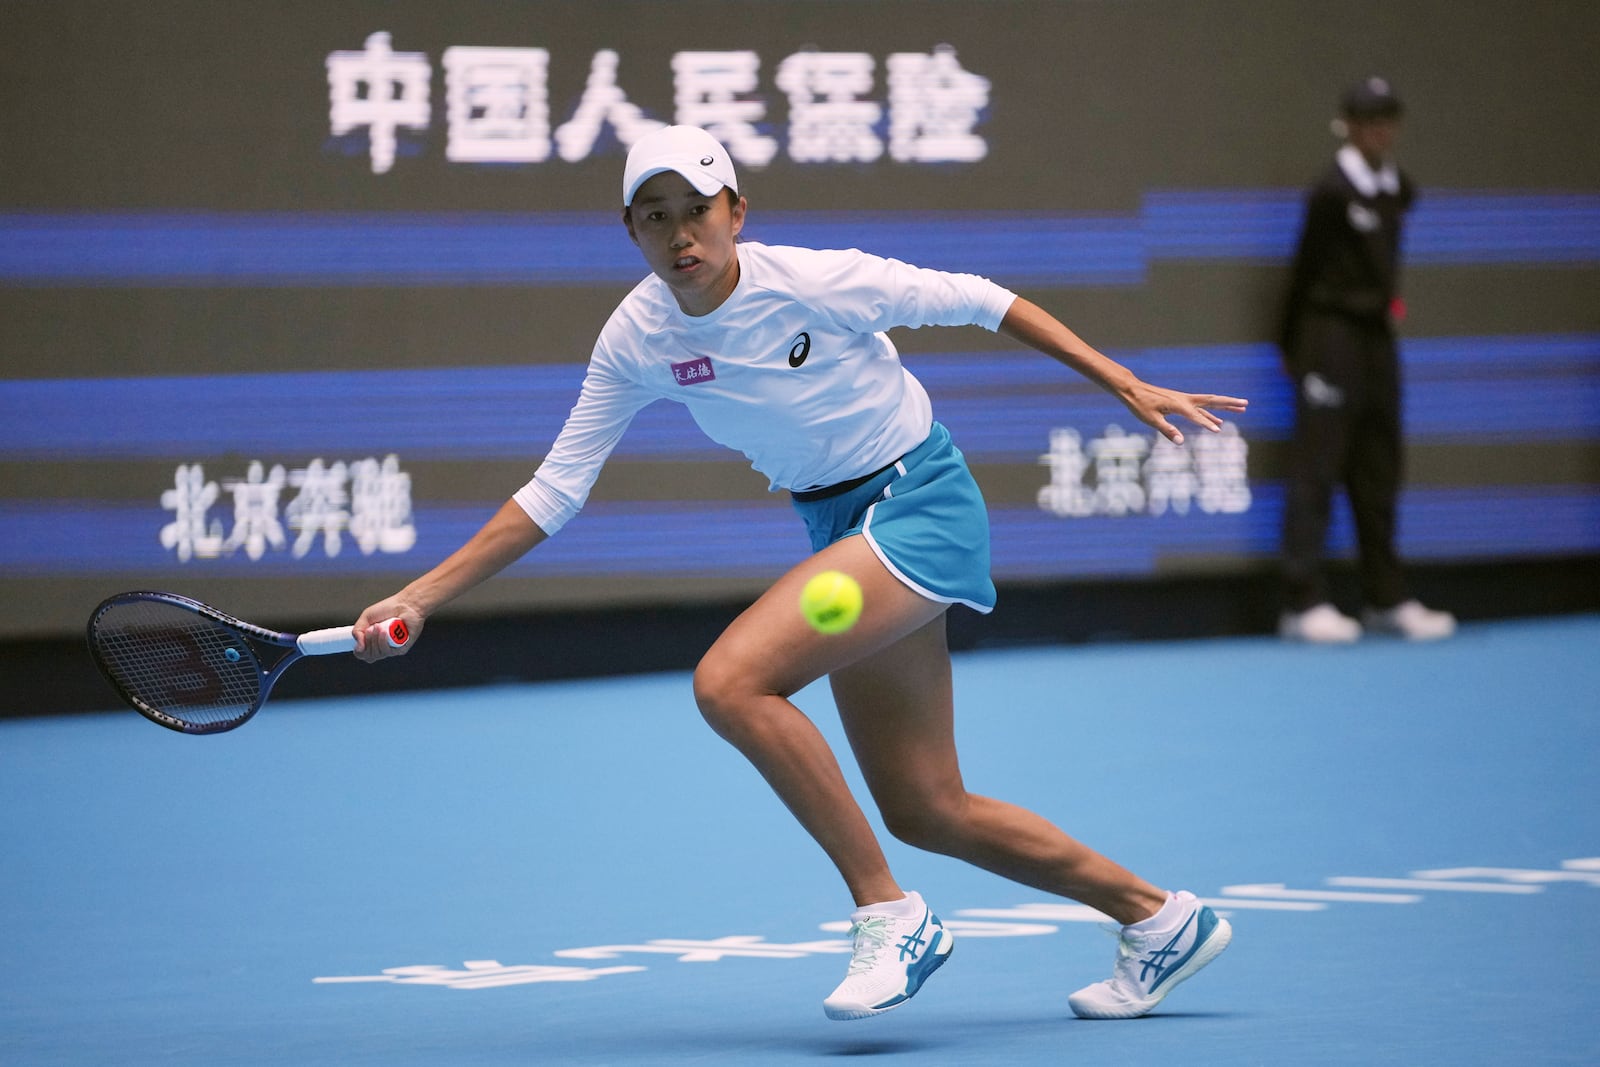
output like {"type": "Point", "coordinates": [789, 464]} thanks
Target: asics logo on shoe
{"type": "Point", "coordinates": [1157, 960]}
{"type": "Point", "coordinates": [912, 944]}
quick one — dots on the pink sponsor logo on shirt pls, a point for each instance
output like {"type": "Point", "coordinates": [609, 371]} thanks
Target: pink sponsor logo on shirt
{"type": "Point", "coordinates": [694, 371]}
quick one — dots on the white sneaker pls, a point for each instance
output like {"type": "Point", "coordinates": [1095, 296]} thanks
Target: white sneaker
{"type": "Point", "coordinates": [1412, 621]}
{"type": "Point", "coordinates": [891, 960]}
{"type": "Point", "coordinates": [1321, 625]}
{"type": "Point", "coordinates": [1149, 965]}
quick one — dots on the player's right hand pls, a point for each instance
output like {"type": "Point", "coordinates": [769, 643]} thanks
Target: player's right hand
{"type": "Point", "coordinates": [371, 645]}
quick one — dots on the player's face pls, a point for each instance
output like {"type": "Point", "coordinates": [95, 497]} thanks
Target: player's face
{"type": "Point", "coordinates": [688, 239]}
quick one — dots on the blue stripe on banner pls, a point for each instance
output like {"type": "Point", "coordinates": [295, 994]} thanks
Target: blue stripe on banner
{"type": "Point", "coordinates": [1020, 248]}
{"type": "Point", "coordinates": [76, 537]}
{"type": "Point", "coordinates": [1461, 228]}
{"type": "Point", "coordinates": [177, 248]}
{"type": "Point", "coordinates": [1000, 406]}
{"type": "Point", "coordinates": [765, 538]}
{"type": "Point", "coordinates": [1229, 224]}
{"type": "Point", "coordinates": [1447, 228]}
{"type": "Point", "coordinates": [1435, 524]}
{"type": "Point", "coordinates": [485, 249]}
{"type": "Point", "coordinates": [464, 412]}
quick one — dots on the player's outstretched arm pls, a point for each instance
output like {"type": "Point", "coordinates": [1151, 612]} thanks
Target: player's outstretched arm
{"type": "Point", "coordinates": [1027, 322]}
{"type": "Point", "coordinates": [502, 541]}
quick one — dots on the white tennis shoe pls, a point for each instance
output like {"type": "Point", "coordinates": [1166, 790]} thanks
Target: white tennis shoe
{"type": "Point", "coordinates": [1410, 620]}
{"type": "Point", "coordinates": [891, 959]}
{"type": "Point", "coordinates": [1150, 964]}
{"type": "Point", "coordinates": [1323, 624]}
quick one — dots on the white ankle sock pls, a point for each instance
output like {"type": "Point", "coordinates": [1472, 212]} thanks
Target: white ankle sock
{"type": "Point", "coordinates": [1161, 920]}
{"type": "Point", "coordinates": [907, 907]}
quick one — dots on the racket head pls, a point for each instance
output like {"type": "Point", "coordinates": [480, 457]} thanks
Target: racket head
{"type": "Point", "coordinates": [180, 663]}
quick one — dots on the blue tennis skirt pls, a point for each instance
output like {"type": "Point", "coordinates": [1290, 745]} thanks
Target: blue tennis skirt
{"type": "Point", "coordinates": [924, 518]}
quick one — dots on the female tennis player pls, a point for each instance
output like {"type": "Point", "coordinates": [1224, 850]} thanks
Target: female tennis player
{"type": "Point", "coordinates": [780, 352]}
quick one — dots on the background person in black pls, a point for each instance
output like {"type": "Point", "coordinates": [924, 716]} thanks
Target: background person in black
{"type": "Point", "coordinates": [1338, 343]}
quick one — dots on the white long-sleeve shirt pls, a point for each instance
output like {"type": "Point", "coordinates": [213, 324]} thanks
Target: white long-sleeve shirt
{"type": "Point", "coordinates": [793, 369]}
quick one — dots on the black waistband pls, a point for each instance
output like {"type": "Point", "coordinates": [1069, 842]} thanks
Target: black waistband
{"type": "Point", "coordinates": [826, 492]}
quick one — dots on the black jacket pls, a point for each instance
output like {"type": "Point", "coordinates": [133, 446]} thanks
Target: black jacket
{"type": "Point", "coordinates": [1348, 259]}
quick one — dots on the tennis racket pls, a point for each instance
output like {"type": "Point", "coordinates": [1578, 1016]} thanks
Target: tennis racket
{"type": "Point", "coordinates": [189, 667]}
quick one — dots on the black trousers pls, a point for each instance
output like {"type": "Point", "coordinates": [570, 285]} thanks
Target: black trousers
{"type": "Point", "coordinates": [1347, 434]}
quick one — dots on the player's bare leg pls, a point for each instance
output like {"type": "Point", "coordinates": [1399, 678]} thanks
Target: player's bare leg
{"type": "Point", "coordinates": [766, 655]}
{"type": "Point", "coordinates": [743, 685]}
{"type": "Point", "coordinates": [896, 706]}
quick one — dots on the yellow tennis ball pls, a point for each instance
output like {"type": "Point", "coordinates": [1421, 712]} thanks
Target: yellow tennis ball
{"type": "Point", "coordinates": [831, 602]}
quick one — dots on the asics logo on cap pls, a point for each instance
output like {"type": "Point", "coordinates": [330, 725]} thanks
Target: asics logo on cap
{"type": "Point", "coordinates": [686, 150]}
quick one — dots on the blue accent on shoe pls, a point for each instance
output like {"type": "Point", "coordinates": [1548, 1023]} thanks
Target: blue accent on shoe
{"type": "Point", "coordinates": [1157, 960]}
{"type": "Point", "coordinates": [1206, 922]}
{"type": "Point", "coordinates": [913, 941]}
{"type": "Point", "coordinates": [931, 961]}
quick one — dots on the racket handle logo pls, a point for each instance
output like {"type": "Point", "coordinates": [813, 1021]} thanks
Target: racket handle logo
{"type": "Point", "coordinates": [397, 633]}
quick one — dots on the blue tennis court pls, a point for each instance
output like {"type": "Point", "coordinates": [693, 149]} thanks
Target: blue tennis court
{"type": "Point", "coordinates": [1405, 838]}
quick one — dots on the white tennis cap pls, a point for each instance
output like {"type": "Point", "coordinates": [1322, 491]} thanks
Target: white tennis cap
{"type": "Point", "coordinates": [687, 150]}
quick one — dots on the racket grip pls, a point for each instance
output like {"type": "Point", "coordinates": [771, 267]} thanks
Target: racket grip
{"type": "Point", "coordinates": [337, 639]}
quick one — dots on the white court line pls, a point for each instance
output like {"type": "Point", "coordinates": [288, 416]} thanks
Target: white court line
{"type": "Point", "coordinates": [1592, 864]}
{"type": "Point", "coordinates": [1276, 890]}
{"type": "Point", "coordinates": [1061, 913]}
{"type": "Point", "coordinates": [1439, 884]}
{"type": "Point", "coordinates": [974, 928]}
{"type": "Point", "coordinates": [1241, 903]}
{"type": "Point", "coordinates": [1515, 874]}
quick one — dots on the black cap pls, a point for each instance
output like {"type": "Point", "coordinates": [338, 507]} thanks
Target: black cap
{"type": "Point", "coordinates": [1372, 98]}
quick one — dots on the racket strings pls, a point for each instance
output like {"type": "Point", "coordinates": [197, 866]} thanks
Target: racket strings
{"type": "Point", "coordinates": [181, 665]}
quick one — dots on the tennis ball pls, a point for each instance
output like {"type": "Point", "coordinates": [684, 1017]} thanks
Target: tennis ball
{"type": "Point", "coordinates": [831, 602]}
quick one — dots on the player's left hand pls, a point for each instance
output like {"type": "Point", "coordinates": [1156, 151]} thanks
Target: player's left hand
{"type": "Point", "coordinates": [1152, 404]}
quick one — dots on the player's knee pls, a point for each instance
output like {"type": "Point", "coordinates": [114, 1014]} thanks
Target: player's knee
{"type": "Point", "coordinates": [722, 691]}
{"type": "Point", "coordinates": [930, 822]}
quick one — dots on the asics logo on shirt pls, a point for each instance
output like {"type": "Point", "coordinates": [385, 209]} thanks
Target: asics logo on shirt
{"type": "Point", "coordinates": [800, 350]}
